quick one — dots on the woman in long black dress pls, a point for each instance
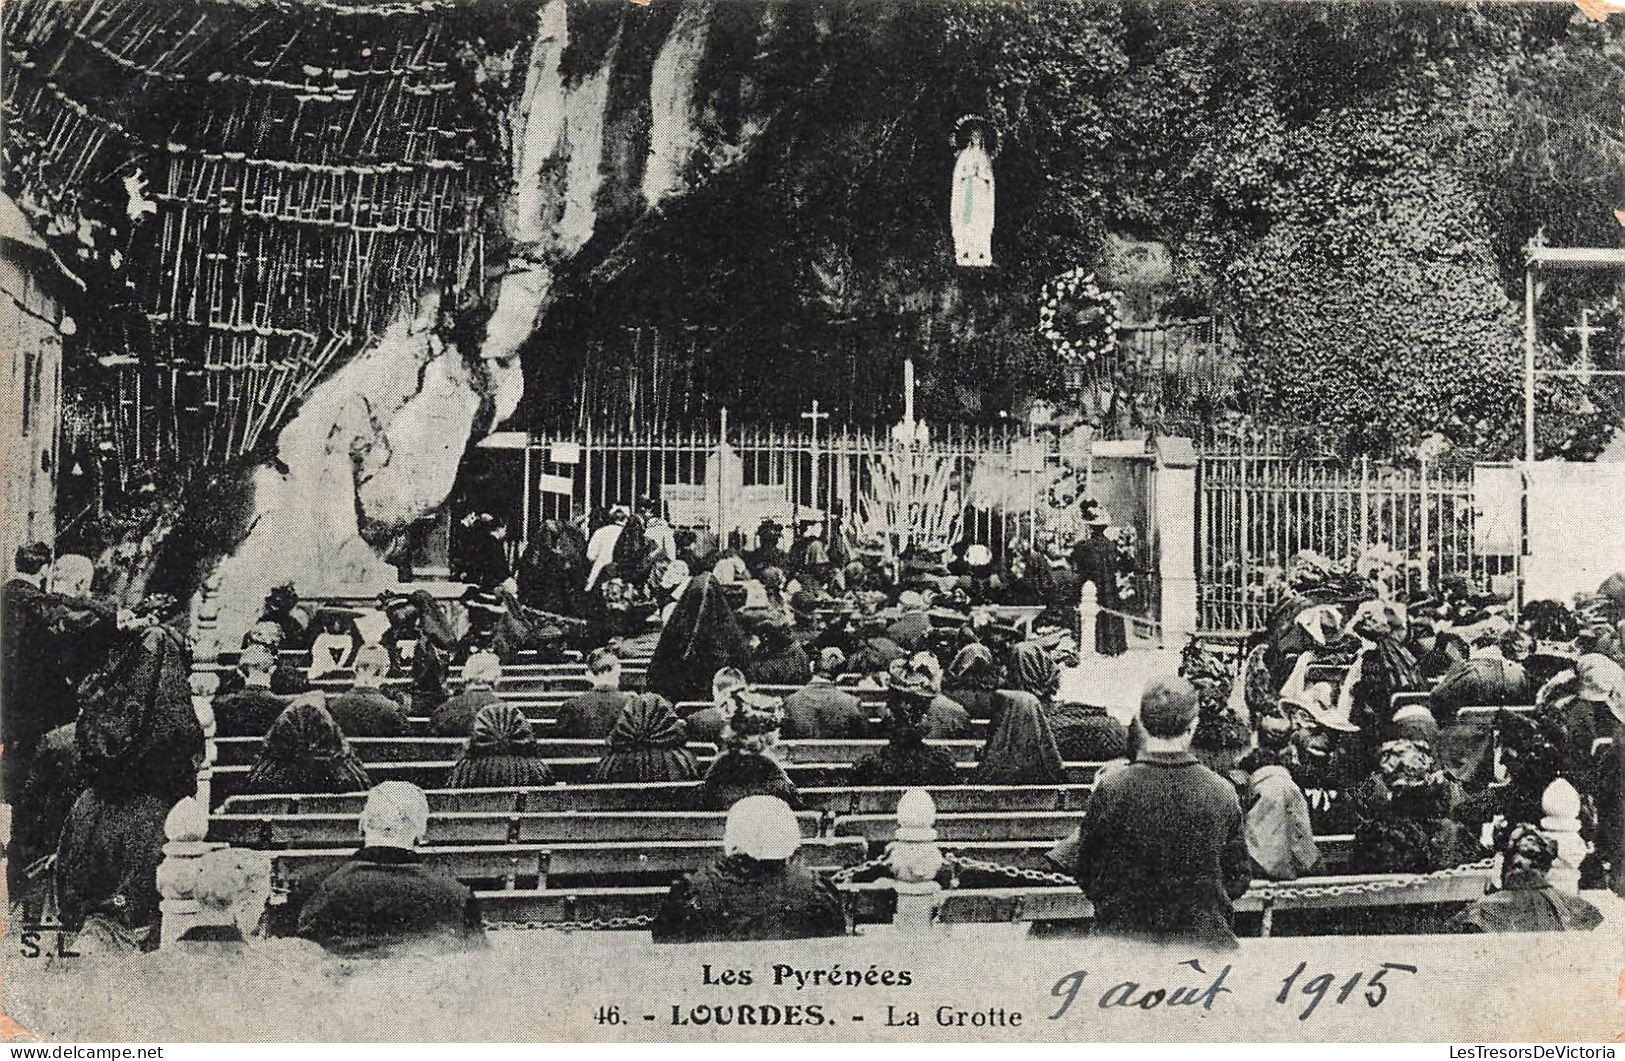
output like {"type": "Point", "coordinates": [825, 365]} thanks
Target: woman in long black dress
{"type": "Point", "coordinates": [701, 637]}
{"type": "Point", "coordinates": [138, 744]}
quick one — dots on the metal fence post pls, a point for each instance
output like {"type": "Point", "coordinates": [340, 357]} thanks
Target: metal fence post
{"type": "Point", "coordinates": [1365, 501]}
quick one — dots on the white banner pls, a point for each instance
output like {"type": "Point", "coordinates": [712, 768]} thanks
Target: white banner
{"type": "Point", "coordinates": [1575, 537]}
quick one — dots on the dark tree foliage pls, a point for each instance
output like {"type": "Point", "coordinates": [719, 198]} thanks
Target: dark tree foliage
{"type": "Point", "coordinates": [1350, 184]}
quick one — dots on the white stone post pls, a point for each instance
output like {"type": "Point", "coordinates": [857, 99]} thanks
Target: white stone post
{"type": "Point", "coordinates": [1560, 805]}
{"type": "Point", "coordinates": [1088, 615]}
{"type": "Point", "coordinates": [915, 858]}
{"type": "Point", "coordinates": [184, 832]}
{"type": "Point", "coordinates": [204, 684]}
{"type": "Point", "coordinates": [1174, 544]}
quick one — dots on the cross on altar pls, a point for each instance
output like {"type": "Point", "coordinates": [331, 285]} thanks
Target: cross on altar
{"type": "Point", "coordinates": [814, 416]}
{"type": "Point", "coordinates": [1585, 330]}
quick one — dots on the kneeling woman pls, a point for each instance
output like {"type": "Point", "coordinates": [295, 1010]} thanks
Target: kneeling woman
{"type": "Point", "coordinates": [759, 889]}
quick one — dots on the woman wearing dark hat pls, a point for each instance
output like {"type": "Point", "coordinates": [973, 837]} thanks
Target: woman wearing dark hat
{"type": "Point", "coordinates": [647, 744]}
{"type": "Point", "coordinates": [553, 565]}
{"type": "Point", "coordinates": [1430, 641]}
{"type": "Point", "coordinates": [768, 553]}
{"type": "Point", "coordinates": [746, 767]}
{"type": "Point", "coordinates": [1382, 667]}
{"type": "Point", "coordinates": [282, 608]}
{"type": "Point", "coordinates": [501, 752]}
{"type": "Point", "coordinates": [872, 650]}
{"type": "Point", "coordinates": [779, 658]}
{"type": "Point", "coordinates": [907, 759]}
{"type": "Point", "coordinates": [700, 638]}
{"type": "Point", "coordinates": [1405, 825]}
{"type": "Point", "coordinates": [305, 751]}
{"type": "Point", "coordinates": [1096, 560]}
{"type": "Point", "coordinates": [486, 559]}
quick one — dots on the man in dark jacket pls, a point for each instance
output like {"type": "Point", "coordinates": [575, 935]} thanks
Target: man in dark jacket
{"type": "Point", "coordinates": [455, 717]}
{"type": "Point", "coordinates": [1163, 852]}
{"type": "Point", "coordinates": [384, 900]}
{"type": "Point", "coordinates": [821, 710]}
{"type": "Point", "coordinates": [592, 714]}
{"type": "Point", "coordinates": [705, 724]}
{"type": "Point", "coordinates": [250, 710]}
{"type": "Point", "coordinates": [364, 710]}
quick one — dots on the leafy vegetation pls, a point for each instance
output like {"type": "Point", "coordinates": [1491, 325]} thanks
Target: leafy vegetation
{"type": "Point", "coordinates": [1349, 186]}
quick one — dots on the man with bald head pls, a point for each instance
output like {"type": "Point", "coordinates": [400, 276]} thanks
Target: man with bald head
{"type": "Point", "coordinates": [1162, 851]}
{"type": "Point", "coordinates": [384, 900]}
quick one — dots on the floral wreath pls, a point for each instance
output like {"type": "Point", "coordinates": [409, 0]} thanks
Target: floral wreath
{"type": "Point", "coordinates": [962, 128]}
{"type": "Point", "coordinates": [1077, 288]}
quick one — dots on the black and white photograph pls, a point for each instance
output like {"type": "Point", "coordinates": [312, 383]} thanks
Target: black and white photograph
{"type": "Point", "coordinates": [840, 521]}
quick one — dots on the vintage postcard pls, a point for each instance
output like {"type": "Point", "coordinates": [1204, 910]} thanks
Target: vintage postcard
{"type": "Point", "coordinates": [813, 521]}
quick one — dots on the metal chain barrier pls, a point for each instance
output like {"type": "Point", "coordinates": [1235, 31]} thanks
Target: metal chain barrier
{"type": "Point", "coordinates": [1274, 893]}
{"type": "Point", "coordinates": [842, 876]}
{"type": "Point", "coordinates": [1037, 876]}
{"type": "Point", "coordinates": [596, 924]}
{"type": "Point", "coordinates": [1269, 893]}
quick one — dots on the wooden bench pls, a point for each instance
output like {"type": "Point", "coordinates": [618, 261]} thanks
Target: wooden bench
{"type": "Point", "coordinates": [544, 717]}
{"type": "Point", "coordinates": [1030, 853]}
{"type": "Point", "coordinates": [1048, 825]}
{"type": "Point", "coordinates": [269, 831]}
{"type": "Point", "coordinates": [665, 794]}
{"type": "Point", "coordinates": [233, 751]}
{"type": "Point", "coordinates": [227, 781]}
{"type": "Point", "coordinates": [509, 863]}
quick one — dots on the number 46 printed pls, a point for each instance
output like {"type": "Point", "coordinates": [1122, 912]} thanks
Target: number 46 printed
{"type": "Point", "coordinates": [1318, 987]}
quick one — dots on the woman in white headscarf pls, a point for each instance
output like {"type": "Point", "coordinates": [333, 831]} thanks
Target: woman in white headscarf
{"type": "Point", "coordinates": [759, 889]}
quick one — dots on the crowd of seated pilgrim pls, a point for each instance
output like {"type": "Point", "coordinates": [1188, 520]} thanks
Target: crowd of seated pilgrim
{"type": "Point", "coordinates": [101, 738]}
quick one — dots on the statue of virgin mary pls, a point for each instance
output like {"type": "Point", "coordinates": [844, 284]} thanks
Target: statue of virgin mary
{"type": "Point", "coordinates": [971, 209]}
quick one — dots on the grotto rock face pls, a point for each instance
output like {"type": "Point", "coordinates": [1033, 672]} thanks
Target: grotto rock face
{"type": "Point", "coordinates": [371, 449]}
{"type": "Point", "coordinates": [377, 444]}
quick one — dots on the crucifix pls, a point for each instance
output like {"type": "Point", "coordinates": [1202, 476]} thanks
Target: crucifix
{"type": "Point", "coordinates": [1585, 330]}
{"type": "Point", "coordinates": [814, 416]}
